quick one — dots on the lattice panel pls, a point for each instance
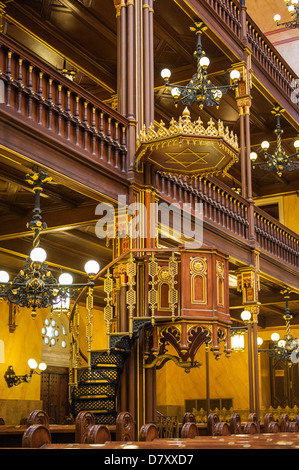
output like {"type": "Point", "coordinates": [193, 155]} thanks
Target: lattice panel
{"type": "Point", "coordinates": [105, 418]}
{"type": "Point", "coordinates": [94, 390]}
{"type": "Point", "coordinates": [109, 375]}
{"type": "Point", "coordinates": [91, 405]}
{"type": "Point", "coordinates": [98, 358]}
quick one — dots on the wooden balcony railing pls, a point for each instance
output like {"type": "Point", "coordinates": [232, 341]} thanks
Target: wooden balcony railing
{"type": "Point", "coordinates": [220, 206]}
{"type": "Point", "coordinates": [269, 59]}
{"type": "Point", "coordinates": [276, 239]}
{"type": "Point", "coordinates": [230, 13]}
{"type": "Point", "coordinates": [264, 54]}
{"type": "Point", "coordinates": [42, 95]}
{"type": "Point", "coordinates": [224, 208]}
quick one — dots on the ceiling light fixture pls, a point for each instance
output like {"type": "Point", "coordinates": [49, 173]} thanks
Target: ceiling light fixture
{"type": "Point", "coordinates": [286, 348]}
{"type": "Point", "coordinates": [279, 161]}
{"type": "Point", "coordinates": [200, 89]}
{"type": "Point", "coordinates": [293, 7]}
{"type": "Point", "coordinates": [35, 286]}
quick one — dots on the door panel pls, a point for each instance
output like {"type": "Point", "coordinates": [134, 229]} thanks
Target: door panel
{"type": "Point", "coordinates": [54, 393]}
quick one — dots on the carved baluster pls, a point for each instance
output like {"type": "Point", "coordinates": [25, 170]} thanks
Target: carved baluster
{"type": "Point", "coordinates": [116, 150]}
{"type": "Point", "coordinates": [209, 201]}
{"type": "Point", "coordinates": [109, 141]}
{"type": "Point", "coordinates": [30, 92]}
{"type": "Point", "coordinates": [69, 115]}
{"type": "Point", "coordinates": [86, 126]}
{"type": "Point", "coordinates": [20, 85]}
{"type": "Point", "coordinates": [77, 116]}
{"type": "Point", "coordinates": [50, 102]}
{"type": "Point", "coordinates": [238, 218]}
{"type": "Point", "coordinates": [41, 98]}
{"type": "Point", "coordinates": [94, 131]}
{"type": "Point", "coordinates": [9, 77]}
{"type": "Point", "coordinates": [123, 147]}
{"type": "Point", "coordinates": [59, 109]}
{"type": "Point", "coordinates": [101, 133]}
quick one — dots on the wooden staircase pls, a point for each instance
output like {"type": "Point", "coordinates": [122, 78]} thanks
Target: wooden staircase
{"type": "Point", "coordinates": [97, 387]}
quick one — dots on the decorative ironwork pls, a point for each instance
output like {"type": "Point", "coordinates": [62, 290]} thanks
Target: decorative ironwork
{"type": "Point", "coordinates": [153, 293]}
{"type": "Point", "coordinates": [108, 309]}
{"type": "Point", "coordinates": [288, 347]}
{"type": "Point", "coordinates": [279, 161]}
{"type": "Point", "coordinates": [35, 286]}
{"type": "Point", "coordinates": [12, 379]}
{"type": "Point", "coordinates": [293, 8]}
{"type": "Point", "coordinates": [131, 293]}
{"type": "Point", "coordinates": [200, 89]}
{"type": "Point", "coordinates": [172, 293]}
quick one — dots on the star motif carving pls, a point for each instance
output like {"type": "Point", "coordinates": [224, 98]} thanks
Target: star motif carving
{"type": "Point", "coordinates": [187, 158]}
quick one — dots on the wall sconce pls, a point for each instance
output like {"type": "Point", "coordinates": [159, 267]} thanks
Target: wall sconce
{"type": "Point", "coordinates": [12, 379]}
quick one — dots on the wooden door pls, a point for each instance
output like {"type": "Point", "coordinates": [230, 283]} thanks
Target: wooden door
{"type": "Point", "coordinates": [284, 383]}
{"type": "Point", "coordinates": [54, 393]}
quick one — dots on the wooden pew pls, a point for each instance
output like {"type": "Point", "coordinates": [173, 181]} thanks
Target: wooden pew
{"type": "Point", "coordinates": [38, 432]}
{"type": "Point", "coordinates": [280, 441]}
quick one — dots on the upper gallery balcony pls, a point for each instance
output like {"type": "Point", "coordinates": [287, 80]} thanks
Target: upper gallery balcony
{"type": "Point", "coordinates": [56, 121]}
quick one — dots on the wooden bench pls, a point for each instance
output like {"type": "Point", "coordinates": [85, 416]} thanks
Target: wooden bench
{"type": "Point", "coordinates": [38, 433]}
{"type": "Point", "coordinates": [280, 441]}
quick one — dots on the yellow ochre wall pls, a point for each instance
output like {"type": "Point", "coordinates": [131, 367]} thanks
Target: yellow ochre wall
{"type": "Point", "coordinates": [291, 209]}
{"type": "Point", "coordinates": [228, 379]}
{"type": "Point", "coordinates": [26, 343]}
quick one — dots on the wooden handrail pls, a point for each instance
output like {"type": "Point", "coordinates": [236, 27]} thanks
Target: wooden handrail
{"type": "Point", "coordinates": [26, 55]}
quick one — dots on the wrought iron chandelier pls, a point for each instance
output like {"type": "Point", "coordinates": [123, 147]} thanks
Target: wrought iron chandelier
{"type": "Point", "coordinates": [35, 287]}
{"type": "Point", "coordinates": [279, 161]}
{"type": "Point", "coordinates": [200, 89]}
{"type": "Point", "coordinates": [293, 7]}
{"type": "Point", "coordinates": [286, 348]}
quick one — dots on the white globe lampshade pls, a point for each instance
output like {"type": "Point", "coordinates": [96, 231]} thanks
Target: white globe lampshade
{"type": "Point", "coordinates": [32, 364]}
{"type": "Point", "coordinates": [166, 74]}
{"type": "Point", "coordinates": [42, 366]}
{"type": "Point", "coordinates": [275, 336]}
{"type": "Point", "coordinates": [92, 267]}
{"type": "Point", "coordinates": [65, 279]}
{"type": "Point", "coordinates": [259, 341]}
{"type": "Point", "coordinates": [204, 61]}
{"type": "Point", "coordinates": [38, 255]}
{"type": "Point", "coordinates": [253, 156]}
{"type": "Point", "coordinates": [265, 145]}
{"type": "Point", "coordinates": [235, 75]}
{"type": "Point", "coordinates": [175, 92]}
{"type": "Point", "coordinates": [277, 18]}
{"type": "Point", "coordinates": [245, 315]}
{"type": "Point", "coordinates": [4, 276]}
{"type": "Point", "coordinates": [296, 144]}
